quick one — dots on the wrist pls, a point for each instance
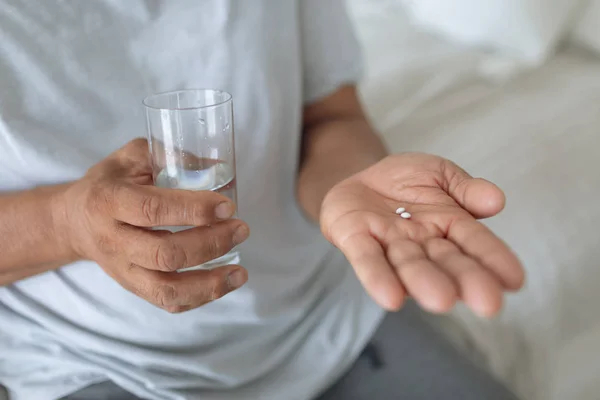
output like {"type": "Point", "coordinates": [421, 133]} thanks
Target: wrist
{"type": "Point", "coordinates": [60, 225]}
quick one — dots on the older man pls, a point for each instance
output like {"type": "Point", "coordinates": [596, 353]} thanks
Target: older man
{"type": "Point", "coordinates": [91, 307]}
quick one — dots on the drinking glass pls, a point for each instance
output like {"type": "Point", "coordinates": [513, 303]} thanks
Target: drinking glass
{"type": "Point", "coordinates": [191, 141]}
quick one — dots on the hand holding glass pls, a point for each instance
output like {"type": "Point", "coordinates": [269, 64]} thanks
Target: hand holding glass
{"type": "Point", "coordinates": [191, 140]}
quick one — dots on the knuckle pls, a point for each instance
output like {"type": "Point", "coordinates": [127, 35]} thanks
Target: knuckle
{"type": "Point", "coordinates": [218, 292]}
{"type": "Point", "coordinates": [175, 309]}
{"type": "Point", "coordinates": [101, 198]}
{"type": "Point", "coordinates": [202, 208]}
{"type": "Point", "coordinates": [105, 245]}
{"type": "Point", "coordinates": [152, 209]}
{"type": "Point", "coordinates": [165, 295]}
{"type": "Point", "coordinates": [140, 287]}
{"type": "Point", "coordinates": [136, 151]}
{"type": "Point", "coordinates": [133, 147]}
{"type": "Point", "coordinates": [138, 143]}
{"type": "Point", "coordinates": [215, 288]}
{"type": "Point", "coordinates": [169, 256]}
{"type": "Point", "coordinates": [214, 246]}
{"type": "Point", "coordinates": [195, 211]}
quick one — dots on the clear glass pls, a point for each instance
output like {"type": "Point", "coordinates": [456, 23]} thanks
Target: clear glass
{"type": "Point", "coordinates": [191, 139]}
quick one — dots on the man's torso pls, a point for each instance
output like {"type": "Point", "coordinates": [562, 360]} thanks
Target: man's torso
{"type": "Point", "coordinates": [72, 76]}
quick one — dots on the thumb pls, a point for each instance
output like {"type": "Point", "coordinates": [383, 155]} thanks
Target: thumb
{"type": "Point", "coordinates": [478, 196]}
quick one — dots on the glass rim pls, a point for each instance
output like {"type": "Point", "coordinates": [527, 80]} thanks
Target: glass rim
{"type": "Point", "coordinates": [147, 99]}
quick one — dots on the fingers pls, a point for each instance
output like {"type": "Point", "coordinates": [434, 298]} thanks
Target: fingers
{"type": "Point", "coordinates": [423, 280]}
{"type": "Point", "coordinates": [132, 157]}
{"type": "Point", "coordinates": [479, 197]}
{"type": "Point", "coordinates": [145, 205]}
{"type": "Point", "coordinates": [136, 156]}
{"type": "Point", "coordinates": [184, 159]}
{"type": "Point", "coordinates": [179, 292]}
{"type": "Point", "coordinates": [477, 241]}
{"type": "Point", "coordinates": [150, 206]}
{"type": "Point", "coordinates": [165, 251]}
{"type": "Point", "coordinates": [373, 270]}
{"type": "Point", "coordinates": [478, 288]}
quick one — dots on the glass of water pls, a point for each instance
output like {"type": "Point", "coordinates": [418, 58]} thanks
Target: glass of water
{"type": "Point", "coordinates": [191, 140]}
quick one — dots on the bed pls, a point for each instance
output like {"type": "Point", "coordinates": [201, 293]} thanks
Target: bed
{"type": "Point", "coordinates": [536, 133]}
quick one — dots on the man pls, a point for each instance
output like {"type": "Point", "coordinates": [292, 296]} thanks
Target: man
{"type": "Point", "coordinates": [90, 305]}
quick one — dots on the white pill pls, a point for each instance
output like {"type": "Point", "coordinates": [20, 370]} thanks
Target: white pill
{"type": "Point", "coordinates": [400, 210]}
{"type": "Point", "coordinates": [405, 215]}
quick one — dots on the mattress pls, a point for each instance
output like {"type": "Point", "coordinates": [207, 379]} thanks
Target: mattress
{"type": "Point", "coordinates": [536, 134]}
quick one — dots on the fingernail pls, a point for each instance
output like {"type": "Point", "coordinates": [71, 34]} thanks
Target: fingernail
{"type": "Point", "coordinates": [236, 279]}
{"type": "Point", "coordinates": [224, 210]}
{"type": "Point", "coordinates": [240, 235]}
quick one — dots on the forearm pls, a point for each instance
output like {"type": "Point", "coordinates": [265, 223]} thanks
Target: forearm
{"type": "Point", "coordinates": [335, 149]}
{"type": "Point", "coordinates": [31, 243]}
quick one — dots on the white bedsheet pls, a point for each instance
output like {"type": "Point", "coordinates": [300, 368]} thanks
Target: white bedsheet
{"type": "Point", "coordinates": [538, 136]}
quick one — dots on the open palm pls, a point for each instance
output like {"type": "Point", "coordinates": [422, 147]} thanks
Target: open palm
{"type": "Point", "coordinates": [441, 254]}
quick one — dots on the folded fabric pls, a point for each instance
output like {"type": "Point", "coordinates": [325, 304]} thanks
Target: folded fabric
{"type": "Point", "coordinates": [587, 28]}
{"type": "Point", "coordinates": [526, 30]}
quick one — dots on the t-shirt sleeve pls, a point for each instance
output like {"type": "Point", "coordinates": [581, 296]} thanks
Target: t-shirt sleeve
{"type": "Point", "coordinates": [331, 53]}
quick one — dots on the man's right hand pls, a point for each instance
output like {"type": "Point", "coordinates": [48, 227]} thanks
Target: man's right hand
{"type": "Point", "coordinates": [106, 217]}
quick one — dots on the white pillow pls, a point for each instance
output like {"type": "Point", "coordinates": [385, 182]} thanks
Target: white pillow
{"type": "Point", "coordinates": [527, 30]}
{"type": "Point", "coordinates": [587, 29]}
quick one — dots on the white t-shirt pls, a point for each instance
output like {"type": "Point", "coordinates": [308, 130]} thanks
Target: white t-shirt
{"type": "Point", "coordinates": [72, 77]}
